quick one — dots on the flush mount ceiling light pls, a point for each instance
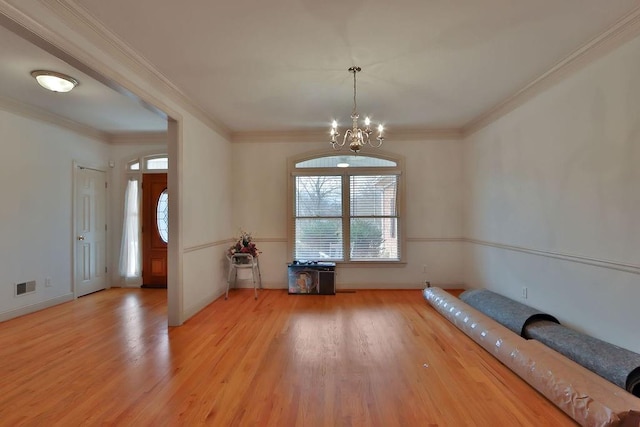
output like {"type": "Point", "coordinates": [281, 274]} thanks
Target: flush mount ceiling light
{"type": "Point", "coordinates": [357, 137]}
{"type": "Point", "coordinates": [55, 82]}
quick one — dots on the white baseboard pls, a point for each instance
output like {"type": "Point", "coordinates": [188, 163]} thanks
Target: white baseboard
{"type": "Point", "coordinates": [35, 307]}
{"type": "Point", "coordinates": [196, 308]}
{"type": "Point", "coordinates": [246, 284]}
{"type": "Point", "coordinates": [363, 286]}
{"type": "Point", "coordinates": [379, 286]}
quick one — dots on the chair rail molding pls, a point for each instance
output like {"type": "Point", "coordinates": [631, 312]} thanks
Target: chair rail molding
{"type": "Point", "coordinates": [597, 262]}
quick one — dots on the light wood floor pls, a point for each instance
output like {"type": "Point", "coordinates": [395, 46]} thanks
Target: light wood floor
{"type": "Point", "coordinates": [371, 358]}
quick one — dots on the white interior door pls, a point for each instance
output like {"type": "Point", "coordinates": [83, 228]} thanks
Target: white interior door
{"type": "Point", "coordinates": [90, 227]}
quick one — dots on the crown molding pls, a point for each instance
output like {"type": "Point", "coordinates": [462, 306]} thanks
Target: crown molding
{"type": "Point", "coordinates": [622, 31]}
{"type": "Point", "coordinates": [138, 138]}
{"type": "Point", "coordinates": [322, 135]}
{"type": "Point", "coordinates": [312, 135]}
{"type": "Point", "coordinates": [49, 40]}
{"type": "Point", "coordinates": [36, 113]}
{"type": "Point", "coordinates": [81, 21]}
{"type": "Point", "coordinates": [417, 134]}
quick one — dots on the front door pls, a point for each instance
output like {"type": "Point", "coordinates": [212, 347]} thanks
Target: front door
{"type": "Point", "coordinates": [90, 231]}
{"type": "Point", "coordinates": [155, 230]}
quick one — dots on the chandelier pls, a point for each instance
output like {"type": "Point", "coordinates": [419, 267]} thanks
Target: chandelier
{"type": "Point", "coordinates": [357, 137]}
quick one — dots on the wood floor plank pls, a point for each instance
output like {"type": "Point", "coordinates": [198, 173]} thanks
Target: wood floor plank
{"type": "Point", "coordinates": [369, 358]}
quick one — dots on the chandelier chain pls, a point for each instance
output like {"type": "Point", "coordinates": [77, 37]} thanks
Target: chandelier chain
{"type": "Point", "coordinates": [355, 106]}
{"type": "Point", "coordinates": [356, 137]}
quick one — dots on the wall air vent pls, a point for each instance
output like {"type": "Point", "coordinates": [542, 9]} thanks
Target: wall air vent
{"type": "Point", "coordinates": [25, 288]}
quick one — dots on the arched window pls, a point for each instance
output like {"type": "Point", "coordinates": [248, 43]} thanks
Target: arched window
{"type": "Point", "coordinates": [346, 208]}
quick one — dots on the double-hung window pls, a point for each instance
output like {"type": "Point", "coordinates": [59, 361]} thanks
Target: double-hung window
{"type": "Point", "coordinates": [346, 208]}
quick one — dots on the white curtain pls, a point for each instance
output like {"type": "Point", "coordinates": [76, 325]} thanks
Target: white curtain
{"type": "Point", "coordinates": [130, 250]}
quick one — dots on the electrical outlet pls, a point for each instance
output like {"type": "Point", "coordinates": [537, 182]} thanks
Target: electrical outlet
{"type": "Point", "coordinates": [47, 282]}
{"type": "Point", "coordinates": [525, 292]}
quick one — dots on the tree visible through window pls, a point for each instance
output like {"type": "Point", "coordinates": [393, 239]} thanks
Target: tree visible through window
{"type": "Point", "coordinates": [318, 217]}
{"type": "Point", "coordinates": [346, 214]}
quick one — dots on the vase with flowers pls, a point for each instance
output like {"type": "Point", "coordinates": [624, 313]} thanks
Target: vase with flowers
{"type": "Point", "coordinates": [244, 245]}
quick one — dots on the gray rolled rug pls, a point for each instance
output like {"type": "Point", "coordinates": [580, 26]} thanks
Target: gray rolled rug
{"type": "Point", "coordinates": [503, 310]}
{"type": "Point", "coordinates": [616, 364]}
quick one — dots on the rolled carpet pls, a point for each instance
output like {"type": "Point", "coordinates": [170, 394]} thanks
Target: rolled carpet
{"type": "Point", "coordinates": [489, 334]}
{"type": "Point", "coordinates": [503, 310]}
{"type": "Point", "coordinates": [616, 364]}
{"type": "Point", "coordinates": [583, 395]}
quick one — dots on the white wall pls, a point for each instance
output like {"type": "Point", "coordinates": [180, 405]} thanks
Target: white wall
{"type": "Point", "coordinates": [560, 176]}
{"type": "Point", "coordinates": [205, 166]}
{"type": "Point", "coordinates": [203, 210]}
{"type": "Point", "coordinates": [36, 181]}
{"type": "Point", "coordinates": [206, 214]}
{"type": "Point", "coordinates": [37, 206]}
{"type": "Point", "coordinates": [433, 212]}
{"type": "Point", "coordinates": [191, 138]}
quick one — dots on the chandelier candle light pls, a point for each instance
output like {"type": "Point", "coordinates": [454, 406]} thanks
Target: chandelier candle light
{"type": "Point", "coordinates": [357, 137]}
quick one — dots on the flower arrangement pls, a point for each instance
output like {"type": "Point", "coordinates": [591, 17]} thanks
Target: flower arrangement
{"type": "Point", "coordinates": [244, 245]}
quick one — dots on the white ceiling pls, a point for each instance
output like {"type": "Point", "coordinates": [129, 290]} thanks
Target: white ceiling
{"type": "Point", "coordinates": [91, 104]}
{"type": "Point", "coordinates": [282, 64]}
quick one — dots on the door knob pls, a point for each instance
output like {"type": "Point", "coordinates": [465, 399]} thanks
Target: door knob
{"type": "Point", "coordinates": [80, 237]}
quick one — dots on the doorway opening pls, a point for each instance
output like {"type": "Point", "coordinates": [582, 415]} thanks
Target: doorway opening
{"type": "Point", "coordinates": [144, 254]}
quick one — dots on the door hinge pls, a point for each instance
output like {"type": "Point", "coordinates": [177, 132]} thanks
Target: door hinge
{"type": "Point", "coordinates": [106, 185]}
{"type": "Point", "coordinates": [105, 269]}
{"type": "Point", "coordinates": [105, 227]}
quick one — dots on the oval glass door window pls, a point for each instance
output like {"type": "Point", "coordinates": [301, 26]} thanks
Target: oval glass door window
{"type": "Point", "coordinates": [162, 216]}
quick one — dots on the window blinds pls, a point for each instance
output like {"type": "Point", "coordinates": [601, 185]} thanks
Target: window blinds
{"type": "Point", "coordinates": [367, 227]}
{"type": "Point", "coordinates": [318, 218]}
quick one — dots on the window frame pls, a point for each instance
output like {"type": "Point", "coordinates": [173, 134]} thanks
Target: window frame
{"type": "Point", "coordinates": [142, 164]}
{"type": "Point", "coordinates": [346, 217]}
